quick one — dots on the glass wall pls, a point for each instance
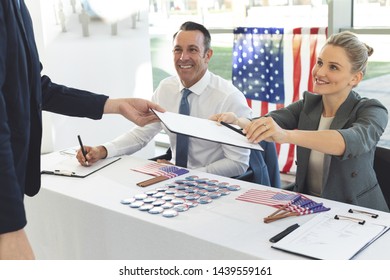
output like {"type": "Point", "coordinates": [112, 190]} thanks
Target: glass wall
{"type": "Point", "coordinates": [221, 16]}
{"type": "Point", "coordinates": [369, 20]}
{"type": "Point", "coordinates": [232, 13]}
{"type": "Point", "coordinates": [371, 13]}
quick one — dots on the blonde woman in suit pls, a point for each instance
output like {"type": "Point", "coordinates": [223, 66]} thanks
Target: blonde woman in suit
{"type": "Point", "coordinates": [336, 130]}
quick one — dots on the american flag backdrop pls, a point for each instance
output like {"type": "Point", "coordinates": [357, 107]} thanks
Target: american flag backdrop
{"type": "Point", "coordinates": [272, 67]}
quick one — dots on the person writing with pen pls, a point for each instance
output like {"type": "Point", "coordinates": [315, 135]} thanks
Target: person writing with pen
{"type": "Point", "coordinates": [205, 93]}
{"type": "Point", "coordinates": [336, 131]}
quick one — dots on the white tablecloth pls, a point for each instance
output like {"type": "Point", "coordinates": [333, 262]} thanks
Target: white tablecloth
{"type": "Point", "coordinates": [74, 218]}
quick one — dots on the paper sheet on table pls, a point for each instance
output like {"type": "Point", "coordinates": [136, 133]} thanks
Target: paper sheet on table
{"type": "Point", "coordinates": [70, 167]}
{"type": "Point", "coordinates": [204, 129]}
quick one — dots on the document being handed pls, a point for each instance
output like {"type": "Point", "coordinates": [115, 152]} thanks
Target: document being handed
{"type": "Point", "coordinates": [204, 129]}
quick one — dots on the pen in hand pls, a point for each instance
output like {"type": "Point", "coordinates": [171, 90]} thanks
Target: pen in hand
{"type": "Point", "coordinates": [82, 149]}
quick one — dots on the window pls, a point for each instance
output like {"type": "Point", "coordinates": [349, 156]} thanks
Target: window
{"type": "Point", "coordinates": [371, 13]}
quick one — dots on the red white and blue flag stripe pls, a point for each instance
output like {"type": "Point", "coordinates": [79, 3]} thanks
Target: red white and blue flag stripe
{"type": "Point", "coordinates": [158, 169]}
{"type": "Point", "coordinates": [272, 67]}
{"type": "Point", "coordinates": [283, 200]}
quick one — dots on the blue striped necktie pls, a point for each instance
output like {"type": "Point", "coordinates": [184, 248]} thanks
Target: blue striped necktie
{"type": "Point", "coordinates": [182, 140]}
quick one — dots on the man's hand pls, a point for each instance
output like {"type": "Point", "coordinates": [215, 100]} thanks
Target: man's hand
{"type": "Point", "coordinates": [93, 155]}
{"type": "Point", "coordinates": [137, 110]}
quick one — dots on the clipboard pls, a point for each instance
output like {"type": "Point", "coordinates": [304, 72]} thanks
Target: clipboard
{"type": "Point", "coordinates": [70, 167]}
{"type": "Point", "coordinates": [204, 129]}
{"type": "Point", "coordinates": [332, 237]}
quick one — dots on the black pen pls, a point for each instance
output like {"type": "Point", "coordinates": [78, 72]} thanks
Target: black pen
{"type": "Point", "coordinates": [82, 149]}
{"type": "Point", "coordinates": [233, 128]}
{"type": "Point", "coordinates": [285, 232]}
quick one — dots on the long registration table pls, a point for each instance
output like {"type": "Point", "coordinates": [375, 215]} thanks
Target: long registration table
{"type": "Point", "coordinates": [73, 218]}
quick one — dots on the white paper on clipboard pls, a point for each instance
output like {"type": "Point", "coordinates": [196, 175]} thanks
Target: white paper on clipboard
{"type": "Point", "coordinates": [204, 129]}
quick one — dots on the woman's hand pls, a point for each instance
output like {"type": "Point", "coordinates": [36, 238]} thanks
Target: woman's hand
{"type": "Point", "coordinates": [265, 128]}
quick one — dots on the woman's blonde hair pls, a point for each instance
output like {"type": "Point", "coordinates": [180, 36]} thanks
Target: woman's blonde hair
{"type": "Point", "coordinates": [357, 51]}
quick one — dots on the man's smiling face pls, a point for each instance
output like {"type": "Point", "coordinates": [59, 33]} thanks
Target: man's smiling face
{"type": "Point", "coordinates": [190, 57]}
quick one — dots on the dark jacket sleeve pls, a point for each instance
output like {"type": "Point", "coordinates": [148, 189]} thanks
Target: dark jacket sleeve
{"type": "Point", "coordinates": [70, 101]}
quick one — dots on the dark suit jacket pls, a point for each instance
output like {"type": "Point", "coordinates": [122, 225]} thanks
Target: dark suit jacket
{"type": "Point", "coordinates": [23, 95]}
{"type": "Point", "coordinates": [351, 177]}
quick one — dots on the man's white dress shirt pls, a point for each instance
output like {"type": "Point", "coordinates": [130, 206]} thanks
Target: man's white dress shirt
{"type": "Point", "coordinates": [211, 95]}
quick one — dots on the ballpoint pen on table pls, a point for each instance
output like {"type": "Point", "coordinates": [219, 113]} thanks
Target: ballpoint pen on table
{"type": "Point", "coordinates": [284, 233]}
{"type": "Point", "coordinates": [82, 149]}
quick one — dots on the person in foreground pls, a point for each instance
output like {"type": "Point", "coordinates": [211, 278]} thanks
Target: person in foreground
{"type": "Point", "coordinates": [335, 129]}
{"type": "Point", "coordinates": [211, 94]}
{"type": "Point", "coordinates": [24, 93]}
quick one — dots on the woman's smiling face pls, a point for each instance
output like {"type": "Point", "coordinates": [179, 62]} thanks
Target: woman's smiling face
{"type": "Point", "coordinates": [332, 73]}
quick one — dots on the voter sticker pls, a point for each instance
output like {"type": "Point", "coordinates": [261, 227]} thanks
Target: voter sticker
{"type": "Point", "coordinates": [223, 184]}
{"type": "Point", "coordinates": [127, 201]}
{"type": "Point", "coordinates": [181, 207]}
{"type": "Point", "coordinates": [170, 213]}
{"type": "Point", "coordinates": [167, 205]}
{"type": "Point", "coordinates": [136, 204]}
{"type": "Point", "coordinates": [205, 200]}
{"type": "Point", "coordinates": [180, 194]}
{"type": "Point", "coordinates": [149, 199]}
{"type": "Point", "coordinates": [234, 188]}
{"type": "Point", "coordinates": [171, 191]}
{"type": "Point", "coordinates": [202, 192]}
{"type": "Point", "coordinates": [171, 186]}
{"type": "Point", "coordinates": [156, 210]}
{"type": "Point", "coordinates": [178, 201]}
{"type": "Point", "coordinates": [168, 197]}
{"type": "Point", "coordinates": [158, 195]}
{"type": "Point", "coordinates": [180, 182]}
{"type": "Point", "coordinates": [201, 180]}
{"type": "Point", "coordinates": [191, 203]}
{"type": "Point", "coordinates": [224, 191]}
{"type": "Point", "coordinates": [214, 195]}
{"type": "Point", "coordinates": [190, 183]}
{"type": "Point", "coordinates": [161, 189]}
{"type": "Point", "coordinates": [192, 178]}
{"type": "Point", "coordinates": [152, 192]}
{"type": "Point", "coordinates": [212, 188]}
{"type": "Point", "coordinates": [145, 207]}
{"type": "Point", "coordinates": [192, 196]}
{"type": "Point", "coordinates": [212, 182]}
{"type": "Point", "coordinates": [180, 187]}
{"type": "Point", "coordinates": [202, 186]}
{"type": "Point", "coordinates": [140, 196]}
{"type": "Point", "coordinates": [158, 202]}
{"type": "Point", "coordinates": [190, 189]}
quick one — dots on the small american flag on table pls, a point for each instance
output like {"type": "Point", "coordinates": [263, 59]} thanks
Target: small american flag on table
{"type": "Point", "coordinates": [288, 204]}
{"type": "Point", "coordinates": [157, 169]}
{"type": "Point", "coordinates": [267, 197]}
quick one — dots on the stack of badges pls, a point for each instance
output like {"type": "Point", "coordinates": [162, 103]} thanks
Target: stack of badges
{"type": "Point", "coordinates": [180, 196]}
